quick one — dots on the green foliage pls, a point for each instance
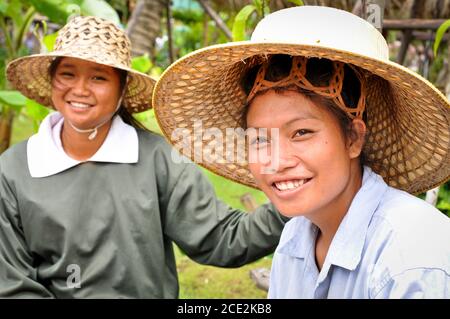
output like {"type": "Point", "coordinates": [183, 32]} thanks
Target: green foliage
{"type": "Point", "coordinates": [60, 11]}
{"type": "Point", "coordinates": [49, 41]}
{"type": "Point", "coordinates": [36, 112]}
{"type": "Point", "coordinates": [15, 31]}
{"type": "Point", "coordinates": [3, 7]}
{"type": "Point", "coordinates": [13, 98]}
{"type": "Point", "coordinates": [3, 56]}
{"type": "Point", "coordinates": [141, 63]}
{"type": "Point", "coordinates": [206, 282]}
{"type": "Point", "coordinates": [262, 7]}
{"type": "Point", "coordinates": [444, 199]}
{"type": "Point", "coordinates": [192, 29]}
{"type": "Point", "coordinates": [121, 6]}
{"type": "Point", "coordinates": [56, 10]}
{"type": "Point", "coordinates": [188, 16]}
{"type": "Point", "coordinates": [297, 2]}
{"type": "Point", "coordinates": [99, 8]}
{"type": "Point", "coordinates": [439, 35]}
{"type": "Point", "coordinates": [240, 22]}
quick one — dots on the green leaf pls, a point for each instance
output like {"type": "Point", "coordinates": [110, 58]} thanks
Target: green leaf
{"type": "Point", "coordinates": [49, 41]}
{"type": "Point", "coordinates": [3, 7]}
{"type": "Point", "coordinates": [297, 2]}
{"type": "Point", "coordinates": [100, 8]}
{"type": "Point", "coordinates": [35, 110]}
{"type": "Point", "coordinates": [2, 68]}
{"type": "Point", "coordinates": [14, 11]}
{"type": "Point", "coordinates": [141, 63]}
{"type": "Point", "coordinates": [56, 10]}
{"type": "Point", "coordinates": [259, 7]}
{"type": "Point", "coordinates": [13, 98]}
{"type": "Point", "coordinates": [240, 22]}
{"type": "Point", "coordinates": [439, 35]}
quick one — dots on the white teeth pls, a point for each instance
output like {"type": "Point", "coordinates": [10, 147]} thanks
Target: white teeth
{"type": "Point", "coordinates": [282, 186]}
{"type": "Point", "coordinates": [80, 105]}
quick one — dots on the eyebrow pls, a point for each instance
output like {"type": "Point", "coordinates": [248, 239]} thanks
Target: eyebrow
{"type": "Point", "coordinates": [95, 68]}
{"type": "Point", "coordinates": [307, 116]}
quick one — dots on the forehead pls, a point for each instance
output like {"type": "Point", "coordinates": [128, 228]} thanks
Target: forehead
{"type": "Point", "coordinates": [279, 108]}
{"type": "Point", "coordinates": [83, 64]}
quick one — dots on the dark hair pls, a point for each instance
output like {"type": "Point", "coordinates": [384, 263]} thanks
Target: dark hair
{"type": "Point", "coordinates": [123, 112]}
{"type": "Point", "coordinates": [318, 73]}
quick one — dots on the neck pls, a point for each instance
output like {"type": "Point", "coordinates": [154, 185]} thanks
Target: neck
{"type": "Point", "coordinates": [77, 144]}
{"type": "Point", "coordinates": [331, 216]}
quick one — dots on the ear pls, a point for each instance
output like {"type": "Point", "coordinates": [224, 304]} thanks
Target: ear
{"type": "Point", "coordinates": [357, 137]}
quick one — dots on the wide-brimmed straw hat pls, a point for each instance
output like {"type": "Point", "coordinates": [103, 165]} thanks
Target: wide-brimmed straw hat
{"type": "Point", "coordinates": [88, 38]}
{"type": "Point", "coordinates": [407, 117]}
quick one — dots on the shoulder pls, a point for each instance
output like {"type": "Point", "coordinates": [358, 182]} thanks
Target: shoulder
{"type": "Point", "coordinates": [410, 235]}
{"type": "Point", "coordinates": [410, 216]}
{"type": "Point", "coordinates": [155, 151]}
{"type": "Point", "coordinates": [15, 157]}
{"type": "Point", "coordinates": [154, 147]}
{"type": "Point", "coordinates": [151, 139]}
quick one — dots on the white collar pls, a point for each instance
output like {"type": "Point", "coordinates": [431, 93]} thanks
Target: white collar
{"type": "Point", "coordinates": [46, 156]}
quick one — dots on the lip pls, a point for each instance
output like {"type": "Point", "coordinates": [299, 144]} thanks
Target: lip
{"type": "Point", "coordinates": [79, 109]}
{"type": "Point", "coordinates": [289, 194]}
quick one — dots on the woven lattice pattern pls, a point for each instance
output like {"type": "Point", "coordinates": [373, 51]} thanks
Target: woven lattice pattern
{"type": "Point", "coordinates": [92, 39]}
{"type": "Point", "coordinates": [297, 77]}
{"type": "Point", "coordinates": [408, 119]}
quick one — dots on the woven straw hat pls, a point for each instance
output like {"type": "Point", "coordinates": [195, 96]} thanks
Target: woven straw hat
{"type": "Point", "coordinates": [407, 117]}
{"type": "Point", "coordinates": [88, 38]}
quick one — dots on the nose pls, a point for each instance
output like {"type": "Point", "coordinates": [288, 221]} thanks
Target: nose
{"type": "Point", "coordinates": [282, 158]}
{"type": "Point", "coordinates": [80, 87]}
{"type": "Point", "coordinates": [286, 157]}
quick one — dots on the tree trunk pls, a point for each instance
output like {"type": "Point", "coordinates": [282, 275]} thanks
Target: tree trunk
{"type": "Point", "coordinates": [144, 26]}
{"type": "Point", "coordinates": [6, 118]}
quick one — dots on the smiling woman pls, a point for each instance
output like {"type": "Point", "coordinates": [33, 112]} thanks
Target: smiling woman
{"type": "Point", "coordinates": [91, 205]}
{"type": "Point", "coordinates": [87, 95]}
{"type": "Point", "coordinates": [338, 136]}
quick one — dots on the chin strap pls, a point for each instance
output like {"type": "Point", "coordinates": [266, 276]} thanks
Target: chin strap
{"type": "Point", "coordinates": [94, 130]}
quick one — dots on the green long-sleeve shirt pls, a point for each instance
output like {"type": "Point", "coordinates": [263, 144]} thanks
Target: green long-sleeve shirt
{"type": "Point", "coordinates": [116, 223]}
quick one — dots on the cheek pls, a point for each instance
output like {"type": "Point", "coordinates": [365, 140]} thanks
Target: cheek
{"type": "Point", "coordinates": [327, 152]}
{"type": "Point", "coordinates": [57, 96]}
{"type": "Point", "coordinates": [107, 96]}
{"type": "Point", "coordinates": [260, 179]}
{"type": "Point", "coordinates": [254, 169]}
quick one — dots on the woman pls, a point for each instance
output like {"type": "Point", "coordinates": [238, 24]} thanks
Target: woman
{"type": "Point", "coordinates": [91, 204]}
{"type": "Point", "coordinates": [334, 117]}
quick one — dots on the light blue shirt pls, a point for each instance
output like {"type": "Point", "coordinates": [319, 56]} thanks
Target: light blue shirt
{"type": "Point", "coordinates": [390, 244]}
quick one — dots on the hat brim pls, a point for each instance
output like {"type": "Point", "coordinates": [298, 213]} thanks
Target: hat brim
{"type": "Point", "coordinates": [408, 139]}
{"type": "Point", "coordinates": [30, 76]}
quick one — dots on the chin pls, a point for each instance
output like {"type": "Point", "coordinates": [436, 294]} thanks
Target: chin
{"type": "Point", "coordinates": [290, 212]}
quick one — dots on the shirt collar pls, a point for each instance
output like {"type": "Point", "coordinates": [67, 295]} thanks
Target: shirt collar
{"type": "Point", "coordinates": [348, 243]}
{"type": "Point", "coordinates": [46, 155]}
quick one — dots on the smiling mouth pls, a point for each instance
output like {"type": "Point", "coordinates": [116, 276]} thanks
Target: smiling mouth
{"type": "Point", "coordinates": [79, 105]}
{"type": "Point", "coordinates": [286, 186]}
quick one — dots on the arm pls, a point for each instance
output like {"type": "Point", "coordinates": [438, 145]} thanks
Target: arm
{"type": "Point", "coordinates": [18, 276]}
{"type": "Point", "coordinates": [210, 232]}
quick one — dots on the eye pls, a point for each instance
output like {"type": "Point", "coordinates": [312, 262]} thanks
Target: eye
{"type": "Point", "coordinates": [99, 78]}
{"type": "Point", "coordinates": [66, 74]}
{"type": "Point", "coordinates": [259, 141]}
{"type": "Point", "coordinates": [302, 132]}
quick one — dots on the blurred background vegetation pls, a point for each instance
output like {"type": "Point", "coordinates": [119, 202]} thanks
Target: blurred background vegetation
{"type": "Point", "coordinates": [162, 31]}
